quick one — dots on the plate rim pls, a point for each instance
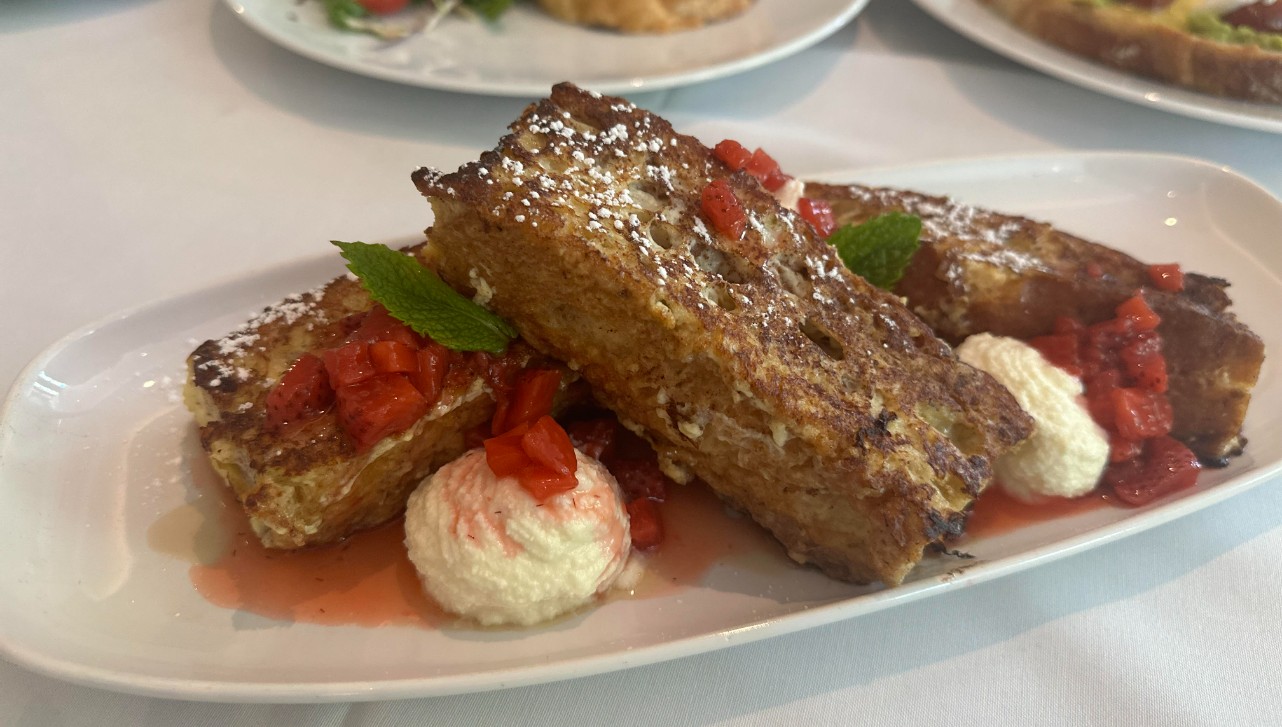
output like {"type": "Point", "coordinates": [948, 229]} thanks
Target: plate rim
{"type": "Point", "coordinates": [631, 84]}
{"type": "Point", "coordinates": [806, 618]}
{"type": "Point", "coordinates": [981, 25]}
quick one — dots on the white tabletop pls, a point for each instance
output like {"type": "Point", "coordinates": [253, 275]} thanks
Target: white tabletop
{"type": "Point", "coordinates": [153, 147]}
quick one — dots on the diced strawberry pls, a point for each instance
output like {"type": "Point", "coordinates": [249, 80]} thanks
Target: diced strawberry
{"type": "Point", "coordinates": [819, 214]}
{"type": "Point", "coordinates": [349, 364]}
{"type": "Point", "coordinates": [377, 407]}
{"type": "Point", "coordinates": [1121, 449]}
{"type": "Point", "coordinates": [1100, 342]}
{"type": "Point", "coordinates": [645, 524]}
{"type": "Point", "coordinates": [1099, 397]}
{"type": "Point", "coordinates": [547, 444]}
{"type": "Point", "coordinates": [302, 393]}
{"type": "Point", "coordinates": [640, 478]}
{"type": "Point", "coordinates": [543, 483]}
{"type": "Point", "coordinates": [1066, 324]}
{"type": "Point", "coordinates": [1136, 309]}
{"type": "Point", "coordinates": [723, 210]}
{"type": "Point", "coordinates": [1165, 466]}
{"type": "Point", "coordinates": [1125, 379]}
{"type": "Point", "coordinates": [766, 170]}
{"type": "Point", "coordinates": [532, 397]}
{"type": "Point", "coordinates": [1140, 414]}
{"type": "Point", "coordinates": [1061, 349]}
{"type": "Point", "coordinates": [1167, 277]}
{"type": "Point", "coordinates": [379, 325]}
{"type": "Point", "coordinates": [500, 373]}
{"type": "Point", "coordinates": [505, 455]}
{"type": "Point", "coordinates": [393, 357]}
{"type": "Point", "coordinates": [732, 153]}
{"type": "Point", "coordinates": [433, 364]}
{"type": "Point", "coordinates": [1144, 363]}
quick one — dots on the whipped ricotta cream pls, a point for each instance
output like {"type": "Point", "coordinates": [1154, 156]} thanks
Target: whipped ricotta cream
{"type": "Point", "coordinates": [487, 550]}
{"type": "Point", "coordinates": [1068, 451]}
{"type": "Point", "coordinates": [790, 194]}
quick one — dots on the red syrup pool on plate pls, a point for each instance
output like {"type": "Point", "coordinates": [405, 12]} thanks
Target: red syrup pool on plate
{"type": "Point", "coordinates": [997, 513]}
{"type": "Point", "coordinates": [368, 580]}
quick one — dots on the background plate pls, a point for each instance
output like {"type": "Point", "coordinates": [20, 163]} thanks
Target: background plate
{"type": "Point", "coordinates": [526, 51]}
{"type": "Point", "coordinates": [96, 451]}
{"type": "Point", "coordinates": [985, 27]}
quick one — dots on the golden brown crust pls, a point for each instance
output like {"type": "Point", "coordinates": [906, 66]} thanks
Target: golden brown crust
{"type": "Point", "coordinates": [645, 16]}
{"type": "Point", "coordinates": [307, 484]}
{"type": "Point", "coordinates": [983, 271]}
{"type": "Point", "coordinates": [798, 392]}
{"type": "Point", "coordinates": [1131, 40]}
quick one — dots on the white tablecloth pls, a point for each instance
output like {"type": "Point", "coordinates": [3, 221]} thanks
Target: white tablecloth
{"type": "Point", "coordinates": [152, 147]}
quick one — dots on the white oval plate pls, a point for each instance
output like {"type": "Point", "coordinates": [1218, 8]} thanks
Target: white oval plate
{"type": "Point", "coordinates": [985, 27]}
{"type": "Point", "coordinates": [96, 448]}
{"type": "Point", "coordinates": [527, 51]}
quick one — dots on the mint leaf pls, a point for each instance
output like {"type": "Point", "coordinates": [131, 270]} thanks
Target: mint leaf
{"type": "Point", "coordinates": [417, 297]}
{"type": "Point", "coordinates": [489, 9]}
{"type": "Point", "coordinates": [879, 250]}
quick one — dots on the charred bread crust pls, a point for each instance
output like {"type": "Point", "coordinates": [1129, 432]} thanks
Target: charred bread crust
{"type": "Point", "coordinates": [1131, 40]}
{"type": "Point", "coordinates": [802, 395]}
{"type": "Point", "coordinates": [307, 484]}
{"type": "Point", "coordinates": [983, 271]}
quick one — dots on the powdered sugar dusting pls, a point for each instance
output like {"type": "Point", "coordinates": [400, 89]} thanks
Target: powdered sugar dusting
{"type": "Point", "coordinates": [943, 219]}
{"type": "Point", "coordinates": [246, 338]}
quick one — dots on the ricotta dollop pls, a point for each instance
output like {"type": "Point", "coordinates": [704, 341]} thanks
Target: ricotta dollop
{"type": "Point", "coordinates": [486, 550]}
{"type": "Point", "coordinates": [1068, 451]}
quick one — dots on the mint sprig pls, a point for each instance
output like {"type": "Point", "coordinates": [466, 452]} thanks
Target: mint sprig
{"type": "Point", "coordinates": [879, 249]}
{"type": "Point", "coordinates": [415, 295]}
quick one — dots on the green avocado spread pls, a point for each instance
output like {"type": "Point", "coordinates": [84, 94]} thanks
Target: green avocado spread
{"type": "Point", "coordinates": [1202, 23]}
{"type": "Point", "coordinates": [1209, 26]}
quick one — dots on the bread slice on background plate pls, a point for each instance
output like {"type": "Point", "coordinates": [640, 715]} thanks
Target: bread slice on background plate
{"type": "Point", "coordinates": [1180, 44]}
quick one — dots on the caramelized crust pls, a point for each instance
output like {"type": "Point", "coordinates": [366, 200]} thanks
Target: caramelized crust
{"type": "Point", "coordinates": [801, 394]}
{"type": "Point", "coordinates": [982, 271]}
{"type": "Point", "coordinates": [1132, 39]}
{"type": "Point", "coordinates": [307, 485]}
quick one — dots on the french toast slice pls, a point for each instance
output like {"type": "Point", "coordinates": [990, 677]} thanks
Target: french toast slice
{"type": "Point", "coordinates": [798, 392]}
{"type": "Point", "coordinates": [309, 484]}
{"type": "Point", "coordinates": [982, 271]}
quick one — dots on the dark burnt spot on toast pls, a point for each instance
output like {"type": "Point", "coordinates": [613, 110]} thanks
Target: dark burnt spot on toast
{"type": "Point", "coordinates": [211, 372]}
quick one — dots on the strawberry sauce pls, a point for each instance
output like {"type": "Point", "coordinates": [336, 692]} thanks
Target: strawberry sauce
{"type": "Point", "coordinates": [997, 513]}
{"type": "Point", "coordinates": [368, 580]}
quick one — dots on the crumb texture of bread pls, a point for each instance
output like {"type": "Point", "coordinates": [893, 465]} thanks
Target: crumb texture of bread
{"type": "Point", "coordinates": [1156, 43]}
{"type": "Point", "coordinates": [644, 16]}
{"type": "Point", "coordinates": [801, 394]}
{"type": "Point", "coordinates": [980, 271]}
{"type": "Point", "coordinates": [307, 484]}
